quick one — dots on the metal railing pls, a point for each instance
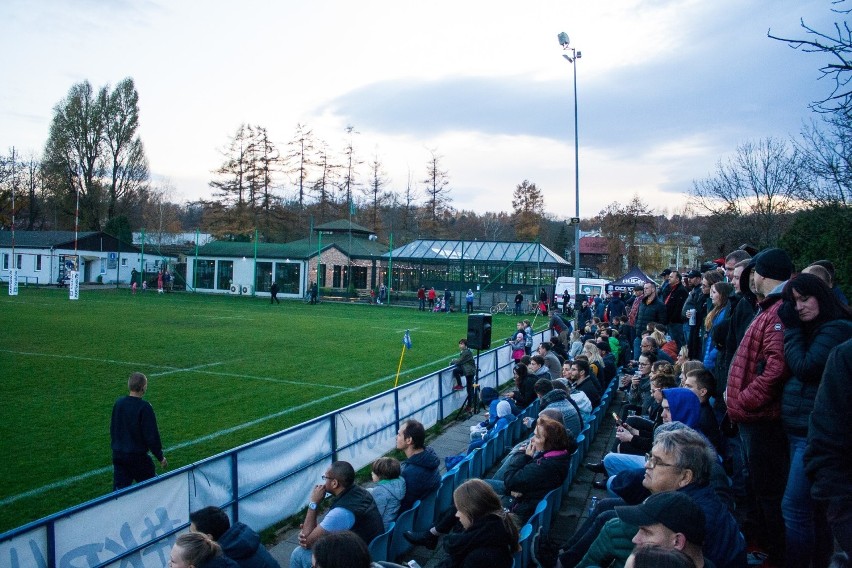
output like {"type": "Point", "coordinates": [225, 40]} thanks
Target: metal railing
{"type": "Point", "coordinates": [259, 483]}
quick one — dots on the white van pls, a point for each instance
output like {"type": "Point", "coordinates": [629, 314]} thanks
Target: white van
{"type": "Point", "coordinates": [588, 286]}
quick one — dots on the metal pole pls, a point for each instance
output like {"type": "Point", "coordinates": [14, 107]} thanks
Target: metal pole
{"type": "Point", "coordinates": [576, 197]}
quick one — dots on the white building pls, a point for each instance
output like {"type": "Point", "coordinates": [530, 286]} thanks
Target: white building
{"type": "Point", "coordinates": [43, 257]}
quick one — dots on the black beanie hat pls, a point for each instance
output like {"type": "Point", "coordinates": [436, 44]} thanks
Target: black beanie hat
{"type": "Point", "coordinates": [773, 263]}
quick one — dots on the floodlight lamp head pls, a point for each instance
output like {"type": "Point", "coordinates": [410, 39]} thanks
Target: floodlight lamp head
{"type": "Point", "coordinates": [563, 40]}
{"type": "Point", "coordinates": [568, 57]}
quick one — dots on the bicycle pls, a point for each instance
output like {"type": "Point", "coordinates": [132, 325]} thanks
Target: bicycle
{"type": "Point", "coordinates": [501, 308]}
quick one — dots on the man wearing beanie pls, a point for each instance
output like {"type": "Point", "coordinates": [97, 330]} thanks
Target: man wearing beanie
{"type": "Point", "coordinates": [755, 382]}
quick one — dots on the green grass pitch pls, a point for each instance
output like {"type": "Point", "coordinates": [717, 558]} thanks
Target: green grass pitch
{"type": "Point", "coordinates": [222, 370]}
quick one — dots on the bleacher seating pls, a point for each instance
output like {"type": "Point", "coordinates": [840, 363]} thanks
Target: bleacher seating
{"type": "Point", "coordinates": [380, 545]}
{"type": "Point", "coordinates": [405, 522]}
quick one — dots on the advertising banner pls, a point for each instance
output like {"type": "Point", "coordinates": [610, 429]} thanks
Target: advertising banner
{"type": "Point", "coordinates": [13, 282]}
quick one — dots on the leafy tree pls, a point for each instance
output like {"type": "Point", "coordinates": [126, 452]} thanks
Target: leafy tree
{"type": "Point", "coordinates": [528, 207]}
{"type": "Point", "coordinates": [128, 165]}
{"type": "Point", "coordinates": [93, 152]}
{"type": "Point", "coordinates": [73, 155]}
{"type": "Point", "coordinates": [757, 187]}
{"type": "Point", "coordinates": [622, 225]}
{"type": "Point", "coordinates": [119, 227]}
{"type": "Point", "coordinates": [822, 233]}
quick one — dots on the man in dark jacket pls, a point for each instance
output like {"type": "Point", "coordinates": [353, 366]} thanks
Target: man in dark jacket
{"type": "Point", "coordinates": [420, 469]}
{"type": "Point", "coordinates": [616, 307]}
{"type": "Point", "coordinates": [133, 433]}
{"type": "Point", "coordinates": [827, 460]}
{"type": "Point", "coordinates": [674, 299]}
{"type": "Point", "coordinates": [353, 509]}
{"type": "Point", "coordinates": [651, 309]}
{"type": "Point", "coordinates": [755, 383]}
{"type": "Point", "coordinates": [238, 541]}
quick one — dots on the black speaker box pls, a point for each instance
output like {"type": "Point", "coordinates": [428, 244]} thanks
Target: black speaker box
{"type": "Point", "coordinates": [479, 331]}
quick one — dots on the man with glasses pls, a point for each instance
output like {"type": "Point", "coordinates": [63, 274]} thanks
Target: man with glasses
{"type": "Point", "coordinates": [353, 508]}
{"type": "Point", "coordinates": [680, 460]}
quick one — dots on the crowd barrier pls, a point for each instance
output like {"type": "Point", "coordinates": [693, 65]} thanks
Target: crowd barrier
{"type": "Point", "coordinates": [259, 483]}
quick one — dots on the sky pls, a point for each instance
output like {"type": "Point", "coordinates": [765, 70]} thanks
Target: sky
{"type": "Point", "coordinates": [665, 88]}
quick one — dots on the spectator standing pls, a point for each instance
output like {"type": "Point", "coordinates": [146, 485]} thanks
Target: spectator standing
{"type": "Point", "coordinates": [160, 282]}
{"type": "Point", "coordinates": [755, 382]}
{"type": "Point", "coordinates": [133, 432]}
{"type": "Point", "coordinates": [432, 297]}
{"type": "Point", "coordinates": [421, 299]}
{"type": "Point", "coordinates": [448, 300]}
{"type": "Point", "coordinates": [464, 366]}
{"type": "Point", "coordinates": [816, 322]}
{"type": "Point", "coordinates": [469, 300]}
{"type": "Point", "coordinates": [827, 461]}
{"type": "Point", "coordinates": [674, 300]}
{"type": "Point", "coordinates": [720, 293]}
{"type": "Point", "coordinates": [519, 299]}
{"type": "Point", "coordinates": [273, 293]}
{"type": "Point", "coordinates": [651, 309]}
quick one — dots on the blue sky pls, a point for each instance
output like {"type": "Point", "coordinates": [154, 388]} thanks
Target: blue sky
{"type": "Point", "coordinates": [666, 88]}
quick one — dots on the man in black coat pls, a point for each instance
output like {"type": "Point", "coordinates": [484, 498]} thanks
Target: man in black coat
{"type": "Point", "coordinates": [674, 299]}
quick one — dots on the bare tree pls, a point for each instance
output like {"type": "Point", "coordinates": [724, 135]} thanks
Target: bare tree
{"type": "Point", "coordinates": [348, 183]}
{"type": "Point", "coordinates": [374, 192]}
{"type": "Point", "coordinates": [300, 157]}
{"type": "Point", "coordinates": [827, 156]}
{"type": "Point", "coordinates": [836, 43]}
{"type": "Point", "coordinates": [322, 186]}
{"type": "Point", "coordinates": [758, 186]}
{"type": "Point", "coordinates": [437, 190]}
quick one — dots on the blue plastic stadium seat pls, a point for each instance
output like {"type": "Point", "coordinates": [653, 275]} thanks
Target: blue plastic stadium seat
{"type": "Point", "coordinates": [522, 557]}
{"type": "Point", "coordinates": [380, 545]}
{"type": "Point", "coordinates": [425, 517]}
{"type": "Point", "coordinates": [444, 499]}
{"type": "Point", "coordinates": [405, 522]}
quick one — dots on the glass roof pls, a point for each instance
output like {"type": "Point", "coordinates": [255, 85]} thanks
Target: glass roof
{"type": "Point", "coordinates": [499, 251]}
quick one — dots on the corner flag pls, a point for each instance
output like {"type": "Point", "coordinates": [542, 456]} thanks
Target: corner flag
{"type": "Point", "coordinates": [406, 339]}
{"type": "Point", "coordinates": [406, 344]}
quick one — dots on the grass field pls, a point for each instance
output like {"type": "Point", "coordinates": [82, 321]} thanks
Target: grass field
{"type": "Point", "coordinates": [222, 371]}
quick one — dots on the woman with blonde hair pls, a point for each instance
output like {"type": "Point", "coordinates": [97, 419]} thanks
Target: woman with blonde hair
{"type": "Point", "coordinates": [576, 344]}
{"type": "Point", "coordinates": [196, 550]}
{"type": "Point", "coordinates": [595, 359]}
{"type": "Point", "coordinates": [489, 538]}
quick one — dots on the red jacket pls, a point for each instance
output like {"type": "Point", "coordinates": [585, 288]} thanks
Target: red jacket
{"type": "Point", "coordinates": [758, 371]}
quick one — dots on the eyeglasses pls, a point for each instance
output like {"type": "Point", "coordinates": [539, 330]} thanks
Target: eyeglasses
{"type": "Point", "coordinates": [653, 461]}
{"type": "Point", "coordinates": [644, 364]}
{"type": "Point", "coordinates": [327, 478]}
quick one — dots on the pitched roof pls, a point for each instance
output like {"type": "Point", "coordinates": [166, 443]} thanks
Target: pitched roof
{"type": "Point", "coordinates": [43, 239]}
{"type": "Point", "coordinates": [500, 251]}
{"type": "Point", "coordinates": [597, 245]}
{"type": "Point", "coordinates": [343, 225]}
{"type": "Point", "coordinates": [302, 249]}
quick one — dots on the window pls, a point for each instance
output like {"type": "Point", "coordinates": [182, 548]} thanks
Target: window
{"type": "Point", "coordinates": [359, 277]}
{"type": "Point", "coordinates": [37, 262]}
{"type": "Point", "coordinates": [204, 271]}
{"type": "Point", "coordinates": [288, 275]}
{"type": "Point", "coordinates": [263, 277]}
{"type": "Point", "coordinates": [20, 260]}
{"type": "Point", "coordinates": [123, 262]}
{"type": "Point", "coordinates": [5, 261]}
{"type": "Point", "coordinates": [224, 274]}
{"type": "Point", "coordinates": [321, 275]}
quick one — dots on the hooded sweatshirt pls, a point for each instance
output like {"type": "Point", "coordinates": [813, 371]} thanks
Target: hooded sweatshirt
{"type": "Point", "coordinates": [420, 472]}
{"type": "Point", "coordinates": [683, 405]}
{"type": "Point", "coordinates": [242, 544]}
{"type": "Point", "coordinates": [388, 495]}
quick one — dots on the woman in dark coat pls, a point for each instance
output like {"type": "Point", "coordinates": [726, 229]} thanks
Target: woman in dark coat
{"type": "Point", "coordinates": [489, 538]}
{"type": "Point", "coordinates": [816, 322]}
{"type": "Point", "coordinates": [531, 474]}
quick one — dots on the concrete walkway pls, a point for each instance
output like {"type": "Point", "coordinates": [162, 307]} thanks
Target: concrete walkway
{"type": "Point", "coordinates": [453, 440]}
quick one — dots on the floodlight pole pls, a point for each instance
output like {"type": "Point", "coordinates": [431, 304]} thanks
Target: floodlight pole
{"type": "Point", "coordinates": [575, 55]}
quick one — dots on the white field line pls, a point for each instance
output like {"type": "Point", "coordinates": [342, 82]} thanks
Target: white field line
{"type": "Point", "coordinates": [69, 480]}
{"type": "Point", "coordinates": [96, 359]}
